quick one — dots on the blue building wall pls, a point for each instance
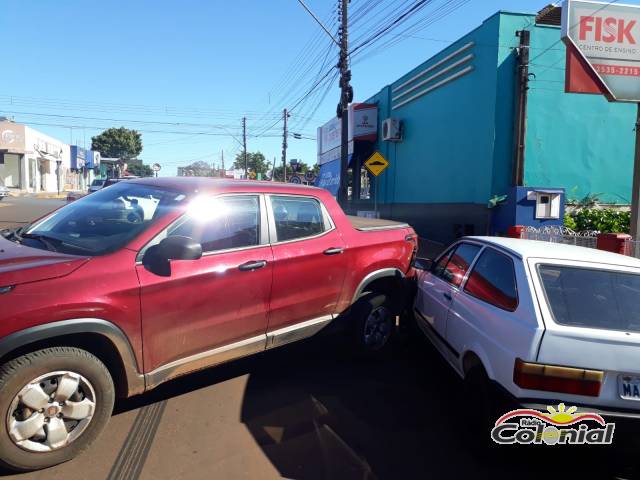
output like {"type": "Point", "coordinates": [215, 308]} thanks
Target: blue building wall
{"type": "Point", "coordinates": [580, 142]}
{"type": "Point", "coordinates": [448, 133]}
{"type": "Point", "coordinates": [458, 142]}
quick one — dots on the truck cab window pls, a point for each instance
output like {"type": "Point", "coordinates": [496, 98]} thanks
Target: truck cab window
{"type": "Point", "coordinates": [296, 218]}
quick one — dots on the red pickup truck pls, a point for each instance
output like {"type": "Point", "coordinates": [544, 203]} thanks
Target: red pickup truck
{"type": "Point", "coordinates": [150, 279]}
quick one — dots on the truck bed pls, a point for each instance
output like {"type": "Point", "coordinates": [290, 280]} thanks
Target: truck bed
{"type": "Point", "coordinates": [372, 224]}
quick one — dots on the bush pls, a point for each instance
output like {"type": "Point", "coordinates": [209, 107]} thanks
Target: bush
{"type": "Point", "coordinates": [569, 222]}
{"type": "Point", "coordinates": [605, 220]}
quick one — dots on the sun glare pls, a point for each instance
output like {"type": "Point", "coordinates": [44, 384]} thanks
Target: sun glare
{"type": "Point", "coordinates": [205, 209]}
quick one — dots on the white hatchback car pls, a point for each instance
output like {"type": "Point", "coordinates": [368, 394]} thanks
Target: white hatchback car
{"type": "Point", "coordinates": [543, 322]}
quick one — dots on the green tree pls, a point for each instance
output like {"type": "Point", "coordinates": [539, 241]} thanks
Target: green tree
{"type": "Point", "coordinates": [199, 169]}
{"type": "Point", "coordinates": [140, 170]}
{"type": "Point", "coordinates": [118, 143]}
{"type": "Point", "coordinates": [304, 168]}
{"type": "Point", "coordinates": [255, 163]}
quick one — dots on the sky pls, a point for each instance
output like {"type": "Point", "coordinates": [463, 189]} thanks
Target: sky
{"type": "Point", "coordinates": [184, 73]}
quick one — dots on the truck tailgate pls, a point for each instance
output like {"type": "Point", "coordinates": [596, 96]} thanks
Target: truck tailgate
{"type": "Point", "coordinates": [372, 224]}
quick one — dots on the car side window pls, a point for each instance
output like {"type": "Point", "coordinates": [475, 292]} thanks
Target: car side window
{"type": "Point", "coordinates": [459, 262]}
{"type": "Point", "coordinates": [493, 280]}
{"type": "Point", "coordinates": [296, 217]}
{"type": "Point", "coordinates": [234, 224]}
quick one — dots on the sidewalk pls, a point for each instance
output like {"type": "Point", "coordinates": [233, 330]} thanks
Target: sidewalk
{"type": "Point", "coordinates": [18, 193]}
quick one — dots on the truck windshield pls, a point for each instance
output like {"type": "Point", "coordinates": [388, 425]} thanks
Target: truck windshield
{"type": "Point", "coordinates": [104, 221]}
{"type": "Point", "coordinates": [586, 297]}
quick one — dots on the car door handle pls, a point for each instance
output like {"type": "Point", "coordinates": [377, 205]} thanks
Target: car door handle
{"type": "Point", "coordinates": [252, 265]}
{"type": "Point", "coordinates": [333, 251]}
{"type": "Point", "coordinates": [447, 295]}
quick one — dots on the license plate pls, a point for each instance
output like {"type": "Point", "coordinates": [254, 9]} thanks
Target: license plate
{"type": "Point", "coordinates": [629, 387]}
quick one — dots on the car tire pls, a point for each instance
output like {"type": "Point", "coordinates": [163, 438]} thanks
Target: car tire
{"type": "Point", "coordinates": [373, 324]}
{"type": "Point", "coordinates": [64, 381]}
{"type": "Point", "coordinates": [480, 400]}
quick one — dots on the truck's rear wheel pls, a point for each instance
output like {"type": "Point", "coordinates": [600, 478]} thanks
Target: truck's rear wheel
{"type": "Point", "coordinates": [373, 323]}
{"type": "Point", "coordinates": [53, 403]}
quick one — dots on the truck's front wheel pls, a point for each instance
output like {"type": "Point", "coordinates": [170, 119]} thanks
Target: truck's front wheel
{"type": "Point", "coordinates": [373, 323]}
{"type": "Point", "coordinates": [54, 402]}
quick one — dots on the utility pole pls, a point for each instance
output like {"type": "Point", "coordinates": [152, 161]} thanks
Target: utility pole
{"type": "Point", "coordinates": [224, 172]}
{"type": "Point", "coordinates": [635, 192]}
{"type": "Point", "coordinates": [346, 96]}
{"type": "Point", "coordinates": [285, 133]}
{"type": "Point", "coordinates": [244, 145]}
{"type": "Point", "coordinates": [521, 107]}
{"type": "Point", "coordinates": [273, 172]}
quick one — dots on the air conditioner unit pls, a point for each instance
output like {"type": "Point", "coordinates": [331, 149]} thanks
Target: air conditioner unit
{"type": "Point", "coordinates": [392, 130]}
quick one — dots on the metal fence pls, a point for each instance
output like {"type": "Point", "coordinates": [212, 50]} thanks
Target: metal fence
{"type": "Point", "coordinates": [564, 235]}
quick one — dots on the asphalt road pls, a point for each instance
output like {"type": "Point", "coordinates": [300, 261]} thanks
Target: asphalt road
{"type": "Point", "coordinates": [15, 211]}
{"type": "Point", "coordinates": [314, 411]}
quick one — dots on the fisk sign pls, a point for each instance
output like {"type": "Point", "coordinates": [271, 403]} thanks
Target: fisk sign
{"type": "Point", "coordinates": [607, 30]}
{"type": "Point", "coordinates": [603, 50]}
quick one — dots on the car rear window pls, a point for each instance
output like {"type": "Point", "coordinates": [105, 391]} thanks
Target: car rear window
{"type": "Point", "coordinates": [587, 297]}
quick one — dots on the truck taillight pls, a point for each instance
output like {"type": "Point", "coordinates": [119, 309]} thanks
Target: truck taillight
{"type": "Point", "coordinates": [552, 378]}
{"type": "Point", "coordinates": [413, 238]}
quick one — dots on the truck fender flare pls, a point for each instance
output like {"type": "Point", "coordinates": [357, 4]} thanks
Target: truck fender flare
{"type": "Point", "coordinates": [135, 381]}
{"type": "Point", "coordinates": [373, 276]}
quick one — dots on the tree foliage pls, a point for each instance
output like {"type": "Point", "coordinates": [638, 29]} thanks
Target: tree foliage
{"type": "Point", "coordinates": [140, 170]}
{"type": "Point", "coordinates": [118, 143]}
{"type": "Point", "coordinates": [304, 168]}
{"type": "Point", "coordinates": [255, 163]}
{"type": "Point", "coordinates": [199, 169]}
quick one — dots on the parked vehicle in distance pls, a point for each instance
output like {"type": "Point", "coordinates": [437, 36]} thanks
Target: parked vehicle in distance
{"type": "Point", "coordinates": [4, 191]}
{"type": "Point", "coordinates": [150, 279]}
{"type": "Point", "coordinates": [97, 184]}
{"type": "Point", "coordinates": [542, 322]}
{"type": "Point", "coordinates": [73, 196]}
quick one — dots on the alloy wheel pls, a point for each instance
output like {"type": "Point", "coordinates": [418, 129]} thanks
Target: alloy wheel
{"type": "Point", "coordinates": [377, 328]}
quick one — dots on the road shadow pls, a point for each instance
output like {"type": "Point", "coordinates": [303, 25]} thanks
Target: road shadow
{"type": "Point", "coordinates": [319, 413]}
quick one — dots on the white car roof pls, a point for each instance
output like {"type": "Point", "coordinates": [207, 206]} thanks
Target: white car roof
{"type": "Point", "coordinates": [549, 250]}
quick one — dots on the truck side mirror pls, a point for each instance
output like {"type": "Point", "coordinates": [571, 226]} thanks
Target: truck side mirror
{"type": "Point", "coordinates": [157, 258]}
{"type": "Point", "coordinates": [177, 247]}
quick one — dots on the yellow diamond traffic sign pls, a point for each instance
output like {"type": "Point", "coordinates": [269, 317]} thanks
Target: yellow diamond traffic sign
{"type": "Point", "coordinates": [376, 164]}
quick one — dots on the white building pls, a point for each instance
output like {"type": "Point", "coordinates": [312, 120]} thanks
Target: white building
{"type": "Point", "coordinates": [31, 161]}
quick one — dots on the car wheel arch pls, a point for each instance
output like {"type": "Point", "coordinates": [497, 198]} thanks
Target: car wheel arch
{"type": "Point", "coordinates": [473, 358]}
{"type": "Point", "coordinates": [100, 337]}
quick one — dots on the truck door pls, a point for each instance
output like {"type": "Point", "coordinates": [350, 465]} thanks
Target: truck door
{"type": "Point", "coordinates": [218, 301]}
{"type": "Point", "coordinates": [308, 264]}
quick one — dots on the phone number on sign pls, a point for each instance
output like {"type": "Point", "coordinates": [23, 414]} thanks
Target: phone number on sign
{"type": "Point", "coordinates": [617, 70]}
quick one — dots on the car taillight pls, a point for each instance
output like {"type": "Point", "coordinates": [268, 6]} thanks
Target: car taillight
{"type": "Point", "coordinates": [552, 378]}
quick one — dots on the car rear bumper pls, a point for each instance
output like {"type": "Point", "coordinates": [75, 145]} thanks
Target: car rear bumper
{"type": "Point", "coordinates": [613, 415]}
{"type": "Point", "coordinates": [619, 416]}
